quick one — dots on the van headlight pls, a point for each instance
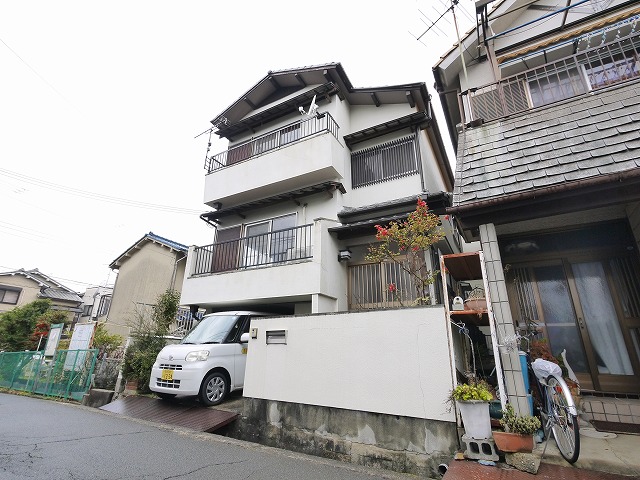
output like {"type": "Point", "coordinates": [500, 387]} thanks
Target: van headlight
{"type": "Point", "coordinates": [199, 356]}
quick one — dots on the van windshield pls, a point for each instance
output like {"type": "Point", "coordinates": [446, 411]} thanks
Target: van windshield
{"type": "Point", "coordinates": [213, 329]}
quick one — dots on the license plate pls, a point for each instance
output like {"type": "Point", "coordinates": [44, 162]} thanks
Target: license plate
{"type": "Point", "coordinates": [167, 374]}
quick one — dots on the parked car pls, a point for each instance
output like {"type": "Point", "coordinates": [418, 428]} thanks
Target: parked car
{"type": "Point", "coordinates": [210, 360]}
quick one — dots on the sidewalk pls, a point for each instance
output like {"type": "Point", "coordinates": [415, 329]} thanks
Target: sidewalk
{"type": "Point", "coordinates": [619, 454]}
{"type": "Point", "coordinates": [602, 456]}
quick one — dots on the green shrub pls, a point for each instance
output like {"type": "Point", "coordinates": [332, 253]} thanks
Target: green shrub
{"type": "Point", "coordinates": [472, 391]}
{"type": "Point", "coordinates": [522, 424]}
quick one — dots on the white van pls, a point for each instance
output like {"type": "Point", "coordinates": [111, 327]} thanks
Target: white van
{"type": "Point", "coordinates": [209, 361]}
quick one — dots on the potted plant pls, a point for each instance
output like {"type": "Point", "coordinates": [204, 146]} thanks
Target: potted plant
{"type": "Point", "coordinates": [518, 434]}
{"type": "Point", "coordinates": [472, 401]}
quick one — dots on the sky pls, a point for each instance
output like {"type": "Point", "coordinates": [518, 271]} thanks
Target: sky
{"type": "Point", "coordinates": [101, 104]}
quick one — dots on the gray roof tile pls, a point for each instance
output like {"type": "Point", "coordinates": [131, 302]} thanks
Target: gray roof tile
{"type": "Point", "coordinates": [622, 138]}
{"type": "Point", "coordinates": [581, 174]}
{"type": "Point", "coordinates": [599, 134]}
{"type": "Point", "coordinates": [587, 136]}
{"type": "Point", "coordinates": [587, 145]}
{"type": "Point", "coordinates": [518, 187]}
{"type": "Point", "coordinates": [618, 167]}
{"type": "Point", "coordinates": [613, 123]}
{"type": "Point", "coordinates": [608, 150]}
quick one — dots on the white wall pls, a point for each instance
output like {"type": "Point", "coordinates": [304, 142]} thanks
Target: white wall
{"type": "Point", "coordinates": [387, 361]}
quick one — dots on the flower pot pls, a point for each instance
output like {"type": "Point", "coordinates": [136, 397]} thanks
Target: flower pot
{"type": "Point", "coordinates": [475, 304]}
{"type": "Point", "coordinates": [513, 442]}
{"type": "Point", "coordinates": [475, 417]}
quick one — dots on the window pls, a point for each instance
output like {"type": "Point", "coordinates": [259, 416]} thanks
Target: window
{"type": "Point", "coordinates": [86, 310]}
{"type": "Point", "coordinates": [553, 86]}
{"type": "Point", "coordinates": [9, 295]}
{"type": "Point", "coordinates": [269, 241]}
{"type": "Point", "coordinates": [105, 303]}
{"type": "Point", "coordinates": [384, 162]}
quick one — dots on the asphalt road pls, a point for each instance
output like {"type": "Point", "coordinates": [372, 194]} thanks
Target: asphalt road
{"type": "Point", "coordinates": [52, 440]}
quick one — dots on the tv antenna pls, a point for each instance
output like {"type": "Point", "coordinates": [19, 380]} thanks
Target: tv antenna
{"type": "Point", "coordinates": [433, 24]}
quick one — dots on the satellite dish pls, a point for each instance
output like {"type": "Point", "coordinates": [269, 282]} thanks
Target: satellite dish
{"type": "Point", "coordinates": [312, 108]}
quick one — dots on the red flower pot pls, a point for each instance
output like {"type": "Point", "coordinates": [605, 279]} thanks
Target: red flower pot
{"type": "Point", "coordinates": [513, 442]}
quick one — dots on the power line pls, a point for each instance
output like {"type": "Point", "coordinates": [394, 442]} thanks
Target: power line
{"type": "Point", "coordinates": [96, 196]}
{"type": "Point", "coordinates": [39, 76]}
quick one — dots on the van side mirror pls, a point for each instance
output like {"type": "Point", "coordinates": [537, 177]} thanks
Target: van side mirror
{"type": "Point", "coordinates": [244, 338]}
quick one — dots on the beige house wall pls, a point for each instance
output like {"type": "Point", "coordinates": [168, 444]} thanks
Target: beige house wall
{"type": "Point", "coordinates": [30, 289]}
{"type": "Point", "coordinates": [141, 279]}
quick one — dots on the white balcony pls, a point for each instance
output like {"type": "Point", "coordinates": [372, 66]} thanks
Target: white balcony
{"type": "Point", "coordinates": [298, 155]}
{"type": "Point", "coordinates": [286, 266]}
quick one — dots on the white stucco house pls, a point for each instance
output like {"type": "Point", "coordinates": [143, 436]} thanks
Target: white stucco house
{"type": "Point", "coordinates": [313, 163]}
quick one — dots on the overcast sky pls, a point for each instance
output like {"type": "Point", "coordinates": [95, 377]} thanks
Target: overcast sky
{"type": "Point", "coordinates": [100, 103]}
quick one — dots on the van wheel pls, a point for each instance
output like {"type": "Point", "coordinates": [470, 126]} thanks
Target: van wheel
{"type": "Point", "coordinates": [214, 389]}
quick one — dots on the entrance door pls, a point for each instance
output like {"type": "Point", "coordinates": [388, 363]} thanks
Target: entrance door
{"type": "Point", "coordinates": [580, 314]}
{"type": "Point", "coordinates": [588, 305]}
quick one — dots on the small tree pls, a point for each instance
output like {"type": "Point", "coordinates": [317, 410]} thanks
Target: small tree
{"type": "Point", "coordinates": [404, 243]}
{"type": "Point", "coordinates": [148, 338]}
{"type": "Point", "coordinates": [17, 325]}
{"type": "Point", "coordinates": [105, 343]}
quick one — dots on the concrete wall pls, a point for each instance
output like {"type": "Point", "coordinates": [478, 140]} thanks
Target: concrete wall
{"type": "Point", "coordinates": [402, 444]}
{"type": "Point", "coordinates": [368, 388]}
{"type": "Point", "coordinates": [387, 361]}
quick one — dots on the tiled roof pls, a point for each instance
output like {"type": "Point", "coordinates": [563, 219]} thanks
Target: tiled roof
{"type": "Point", "coordinates": [589, 136]}
{"type": "Point", "coordinates": [149, 237]}
{"type": "Point", "coordinates": [57, 294]}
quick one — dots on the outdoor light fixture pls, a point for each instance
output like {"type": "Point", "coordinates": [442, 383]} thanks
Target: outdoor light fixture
{"type": "Point", "coordinates": [344, 255]}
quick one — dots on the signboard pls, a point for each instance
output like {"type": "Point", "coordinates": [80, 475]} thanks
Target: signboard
{"type": "Point", "coordinates": [80, 340]}
{"type": "Point", "coordinates": [52, 340]}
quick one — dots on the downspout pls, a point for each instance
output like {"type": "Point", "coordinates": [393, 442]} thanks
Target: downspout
{"type": "Point", "coordinates": [175, 272]}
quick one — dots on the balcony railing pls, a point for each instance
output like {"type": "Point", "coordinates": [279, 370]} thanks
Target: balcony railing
{"type": "Point", "coordinates": [288, 135]}
{"type": "Point", "coordinates": [588, 70]}
{"type": "Point", "coordinates": [276, 247]}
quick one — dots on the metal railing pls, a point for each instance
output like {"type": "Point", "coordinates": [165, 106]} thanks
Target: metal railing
{"type": "Point", "coordinates": [271, 248]}
{"type": "Point", "coordinates": [588, 70]}
{"type": "Point", "coordinates": [287, 135]}
{"type": "Point", "coordinates": [66, 374]}
{"type": "Point", "coordinates": [184, 322]}
{"type": "Point", "coordinates": [370, 286]}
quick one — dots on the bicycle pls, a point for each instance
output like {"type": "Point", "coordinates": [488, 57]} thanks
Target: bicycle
{"type": "Point", "coordinates": [557, 408]}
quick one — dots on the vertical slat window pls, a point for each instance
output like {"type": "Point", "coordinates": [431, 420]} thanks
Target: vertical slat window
{"type": "Point", "coordinates": [384, 162]}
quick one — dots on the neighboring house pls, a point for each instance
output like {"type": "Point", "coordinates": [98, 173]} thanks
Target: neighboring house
{"type": "Point", "coordinates": [19, 287]}
{"type": "Point", "coordinates": [95, 304]}
{"type": "Point", "coordinates": [548, 178]}
{"type": "Point", "coordinates": [146, 269]}
{"type": "Point", "coordinates": [313, 165]}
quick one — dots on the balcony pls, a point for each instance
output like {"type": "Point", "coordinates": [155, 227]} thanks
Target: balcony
{"type": "Point", "coordinates": [265, 143]}
{"type": "Point", "coordinates": [588, 70]}
{"type": "Point", "coordinates": [275, 247]}
{"type": "Point", "coordinates": [300, 154]}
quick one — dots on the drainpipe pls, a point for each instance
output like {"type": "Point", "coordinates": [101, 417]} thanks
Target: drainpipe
{"type": "Point", "coordinates": [175, 272]}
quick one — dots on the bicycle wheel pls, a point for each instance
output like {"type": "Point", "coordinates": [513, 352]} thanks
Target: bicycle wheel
{"type": "Point", "coordinates": [564, 423]}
